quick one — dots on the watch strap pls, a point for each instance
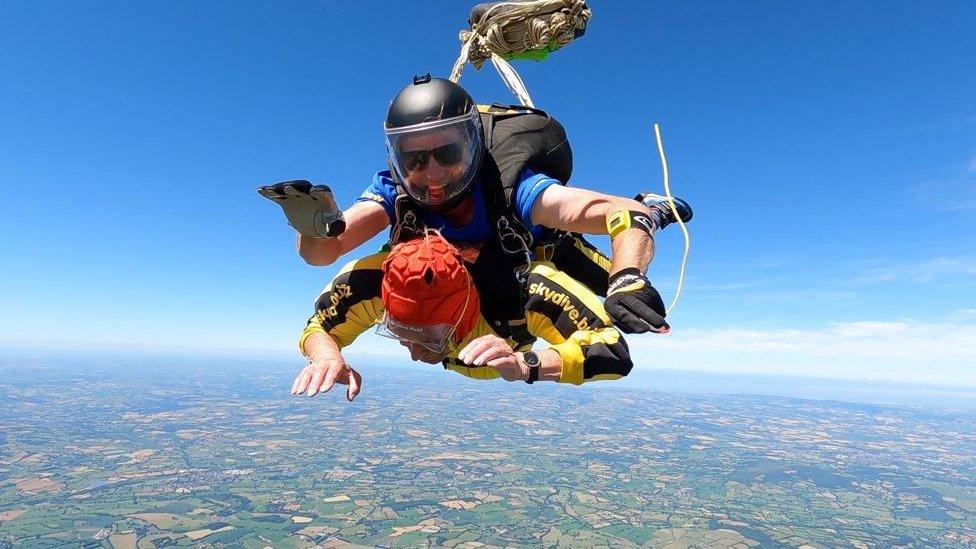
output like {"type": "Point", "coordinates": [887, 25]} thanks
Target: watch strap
{"type": "Point", "coordinates": [532, 361]}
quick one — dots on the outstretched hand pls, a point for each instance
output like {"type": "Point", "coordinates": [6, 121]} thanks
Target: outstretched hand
{"type": "Point", "coordinates": [310, 209]}
{"type": "Point", "coordinates": [493, 351]}
{"type": "Point", "coordinates": [321, 376]}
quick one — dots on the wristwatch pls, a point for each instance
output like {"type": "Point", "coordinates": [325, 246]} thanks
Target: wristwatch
{"type": "Point", "coordinates": [532, 361]}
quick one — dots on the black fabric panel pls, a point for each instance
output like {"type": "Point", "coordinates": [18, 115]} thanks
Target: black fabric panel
{"type": "Point", "coordinates": [530, 139]}
{"type": "Point", "coordinates": [602, 358]}
{"type": "Point", "coordinates": [501, 294]}
{"type": "Point", "coordinates": [557, 304]}
{"type": "Point", "coordinates": [348, 289]}
{"type": "Point", "coordinates": [572, 261]}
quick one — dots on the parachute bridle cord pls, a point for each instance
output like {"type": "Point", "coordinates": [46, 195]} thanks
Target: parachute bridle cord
{"type": "Point", "coordinates": [508, 29]}
{"type": "Point", "coordinates": [677, 217]}
{"type": "Point", "coordinates": [512, 79]}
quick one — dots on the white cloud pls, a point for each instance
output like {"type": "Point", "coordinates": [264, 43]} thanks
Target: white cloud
{"type": "Point", "coordinates": [718, 287]}
{"type": "Point", "coordinates": [963, 315]}
{"type": "Point", "coordinates": [905, 350]}
{"type": "Point", "coordinates": [924, 271]}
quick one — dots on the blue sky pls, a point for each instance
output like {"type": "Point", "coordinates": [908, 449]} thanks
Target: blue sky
{"type": "Point", "coordinates": [829, 150]}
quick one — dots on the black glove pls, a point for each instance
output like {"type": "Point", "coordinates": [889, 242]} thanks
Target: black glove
{"type": "Point", "coordinates": [634, 305]}
{"type": "Point", "coordinates": [311, 210]}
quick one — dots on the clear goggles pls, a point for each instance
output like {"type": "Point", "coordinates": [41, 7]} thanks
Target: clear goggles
{"type": "Point", "coordinates": [434, 337]}
{"type": "Point", "coordinates": [454, 144]}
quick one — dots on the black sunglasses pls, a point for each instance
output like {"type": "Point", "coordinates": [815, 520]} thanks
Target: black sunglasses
{"type": "Point", "coordinates": [446, 155]}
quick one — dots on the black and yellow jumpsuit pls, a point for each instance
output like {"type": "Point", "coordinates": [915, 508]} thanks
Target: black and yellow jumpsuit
{"type": "Point", "coordinates": [558, 309]}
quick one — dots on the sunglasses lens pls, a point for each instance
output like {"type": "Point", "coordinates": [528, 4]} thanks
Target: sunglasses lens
{"type": "Point", "coordinates": [448, 155]}
{"type": "Point", "coordinates": [413, 160]}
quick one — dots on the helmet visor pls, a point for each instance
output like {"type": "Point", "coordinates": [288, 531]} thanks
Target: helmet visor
{"type": "Point", "coordinates": [436, 161]}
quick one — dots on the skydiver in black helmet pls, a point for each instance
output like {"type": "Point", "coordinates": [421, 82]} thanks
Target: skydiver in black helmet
{"type": "Point", "coordinates": [442, 175]}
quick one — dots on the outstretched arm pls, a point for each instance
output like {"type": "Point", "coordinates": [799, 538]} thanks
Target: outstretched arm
{"type": "Point", "coordinates": [634, 305]}
{"type": "Point", "coordinates": [584, 211]}
{"type": "Point", "coordinates": [347, 307]}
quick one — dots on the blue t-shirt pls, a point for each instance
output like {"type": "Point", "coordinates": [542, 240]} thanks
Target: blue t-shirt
{"type": "Point", "coordinates": [383, 191]}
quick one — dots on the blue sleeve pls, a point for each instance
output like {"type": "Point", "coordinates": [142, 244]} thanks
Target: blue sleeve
{"type": "Point", "coordinates": [382, 191]}
{"type": "Point", "coordinates": [528, 190]}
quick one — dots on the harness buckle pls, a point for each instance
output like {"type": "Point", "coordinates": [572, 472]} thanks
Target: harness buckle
{"type": "Point", "coordinates": [514, 243]}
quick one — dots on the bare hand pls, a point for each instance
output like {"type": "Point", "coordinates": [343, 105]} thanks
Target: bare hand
{"type": "Point", "coordinates": [320, 376]}
{"type": "Point", "coordinates": [491, 350]}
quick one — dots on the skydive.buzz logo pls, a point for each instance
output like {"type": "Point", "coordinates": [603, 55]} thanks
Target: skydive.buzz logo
{"type": "Point", "coordinates": [338, 293]}
{"type": "Point", "coordinates": [560, 299]}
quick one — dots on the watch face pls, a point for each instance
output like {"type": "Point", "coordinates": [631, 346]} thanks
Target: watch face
{"type": "Point", "coordinates": [531, 358]}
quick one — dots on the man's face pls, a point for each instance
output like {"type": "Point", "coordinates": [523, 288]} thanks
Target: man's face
{"type": "Point", "coordinates": [420, 353]}
{"type": "Point", "coordinates": [435, 169]}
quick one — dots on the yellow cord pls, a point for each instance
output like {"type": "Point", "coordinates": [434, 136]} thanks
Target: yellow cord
{"type": "Point", "coordinates": [674, 210]}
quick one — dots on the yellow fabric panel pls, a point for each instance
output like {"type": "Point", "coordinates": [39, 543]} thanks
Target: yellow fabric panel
{"type": "Point", "coordinates": [607, 377]}
{"type": "Point", "coordinates": [491, 109]}
{"type": "Point", "coordinates": [608, 336]}
{"type": "Point", "coordinates": [571, 349]}
{"type": "Point", "coordinates": [594, 256]}
{"type": "Point", "coordinates": [480, 328]}
{"type": "Point", "coordinates": [572, 355]}
{"type": "Point", "coordinates": [539, 325]}
{"type": "Point", "coordinates": [313, 327]}
{"type": "Point", "coordinates": [371, 262]}
{"type": "Point", "coordinates": [361, 317]}
{"type": "Point", "coordinates": [475, 372]}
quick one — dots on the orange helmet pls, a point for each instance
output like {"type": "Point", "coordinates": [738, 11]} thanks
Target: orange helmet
{"type": "Point", "coordinates": [428, 293]}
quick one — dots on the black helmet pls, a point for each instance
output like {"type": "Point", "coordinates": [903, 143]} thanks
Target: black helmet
{"type": "Point", "coordinates": [434, 141]}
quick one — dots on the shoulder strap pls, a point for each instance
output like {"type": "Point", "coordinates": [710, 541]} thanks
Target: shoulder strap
{"type": "Point", "coordinates": [513, 239]}
{"type": "Point", "coordinates": [518, 137]}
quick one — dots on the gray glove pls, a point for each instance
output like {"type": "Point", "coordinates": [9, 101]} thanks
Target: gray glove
{"type": "Point", "coordinates": [310, 209]}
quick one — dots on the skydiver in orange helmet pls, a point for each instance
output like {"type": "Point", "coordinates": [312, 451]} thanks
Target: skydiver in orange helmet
{"type": "Point", "coordinates": [422, 294]}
